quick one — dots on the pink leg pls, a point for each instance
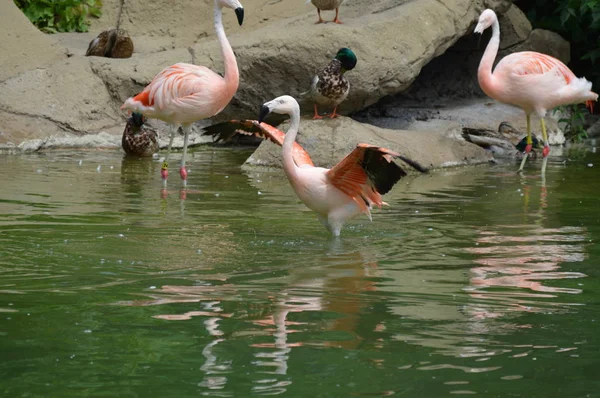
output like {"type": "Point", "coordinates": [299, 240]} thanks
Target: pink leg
{"type": "Point", "coordinates": [546, 150]}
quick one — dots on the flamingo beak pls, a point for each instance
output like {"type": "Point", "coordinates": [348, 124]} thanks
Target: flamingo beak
{"type": "Point", "coordinates": [264, 111]}
{"type": "Point", "coordinates": [239, 12]}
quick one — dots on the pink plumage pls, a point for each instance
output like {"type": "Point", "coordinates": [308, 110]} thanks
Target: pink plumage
{"type": "Point", "coordinates": [530, 80]}
{"type": "Point", "coordinates": [350, 188]}
{"type": "Point", "coordinates": [182, 94]}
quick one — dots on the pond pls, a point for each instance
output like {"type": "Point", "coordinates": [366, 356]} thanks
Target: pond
{"type": "Point", "coordinates": [475, 280]}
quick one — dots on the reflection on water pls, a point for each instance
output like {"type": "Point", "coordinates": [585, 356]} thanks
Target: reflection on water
{"type": "Point", "coordinates": [472, 281]}
{"type": "Point", "coordinates": [528, 257]}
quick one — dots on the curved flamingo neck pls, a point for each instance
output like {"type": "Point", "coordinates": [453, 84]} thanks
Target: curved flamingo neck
{"type": "Point", "coordinates": [232, 75]}
{"type": "Point", "coordinates": [289, 166]}
{"type": "Point", "coordinates": [484, 73]}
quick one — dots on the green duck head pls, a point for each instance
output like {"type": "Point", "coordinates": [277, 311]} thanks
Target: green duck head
{"type": "Point", "coordinates": [347, 58]}
{"type": "Point", "coordinates": [137, 119]}
{"type": "Point", "coordinates": [536, 144]}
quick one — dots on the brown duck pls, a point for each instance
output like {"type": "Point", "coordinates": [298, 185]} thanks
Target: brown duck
{"type": "Point", "coordinates": [137, 139]}
{"type": "Point", "coordinates": [113, 43]}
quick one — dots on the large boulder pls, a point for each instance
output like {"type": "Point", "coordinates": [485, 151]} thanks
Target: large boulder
{"type": "Point", "coordinates": [23, 46]}
{"type": "Point", "coordinates": [281, 56]}
{"type": "Point", "coordinates": [328, 141]}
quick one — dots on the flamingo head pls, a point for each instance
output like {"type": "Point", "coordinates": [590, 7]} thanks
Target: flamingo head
{"type": "Point", "coordinates": [285, 105]}
{"type": "Point", "coordinates": [347, 58]}
{"type": "Point", "coordinates": [234, 5]}
{"type": "Point", "coordinates": [486, 19]}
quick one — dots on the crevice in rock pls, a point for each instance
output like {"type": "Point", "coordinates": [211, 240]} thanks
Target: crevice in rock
{"type": "Point", "coordinates": [63, 125]}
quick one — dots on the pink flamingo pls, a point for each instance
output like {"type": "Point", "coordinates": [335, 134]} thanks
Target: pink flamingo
{"type": "Point", "coordinates": [532, 81]}
{"type": "Point", "coordinates": [183, 93]}
{"type": "Point", "coordinates": [338, 194]}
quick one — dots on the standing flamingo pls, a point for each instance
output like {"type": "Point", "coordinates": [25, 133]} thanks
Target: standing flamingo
{"type": "Point", "coordinates": [338, 194]}
{"type": "Point", "coordinates": [532, 81]}
{"type": "Point", "coordinates": [183, 93]}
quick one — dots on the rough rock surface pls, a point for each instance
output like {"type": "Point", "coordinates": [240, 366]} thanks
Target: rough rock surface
{"type": "Point", "coordinates": [45, 94]}
{"type": "Point", "coordinates": [328, 141]}
{"type": "Point", "coordinates": [23, 46]}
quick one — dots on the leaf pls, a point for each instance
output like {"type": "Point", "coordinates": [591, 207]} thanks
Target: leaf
{"type": "Point", "coordinates": [564, 16]}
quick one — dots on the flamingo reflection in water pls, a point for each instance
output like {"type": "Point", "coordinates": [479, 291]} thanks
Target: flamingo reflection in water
{"type": "Point", "coordinates": [509, 258]}
{"type": "Point", "coordinates": [344, 274]}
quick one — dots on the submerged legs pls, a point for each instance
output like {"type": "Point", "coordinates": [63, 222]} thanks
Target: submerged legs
{"type": "Point", "coordinates": [182, 169]}
{"type": "Point", "coordinates": [529, 144]}
{"type": "Point", "coordinates": [164, 171]}
{"type": "Point", "coordinates": [546, 150]}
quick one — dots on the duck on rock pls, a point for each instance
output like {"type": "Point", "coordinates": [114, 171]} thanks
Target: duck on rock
{"type": "Point", "coordinates": [330, 86]}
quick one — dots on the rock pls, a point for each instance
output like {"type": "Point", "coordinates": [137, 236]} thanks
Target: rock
{"type": "Point", "coordinates": [544, 41]}
{"type": "Point", "coordinates": [44, 102]}
{"type": "Point", "coordinates": [390, 55]}
{"type": "Point", "coordinates": [451, 116]}
{"type": "Point", "coordinates": [514, 26]}
{"type": "Point", "coordinates": [329, 140]}
{"type": "Point", "coordinates": [23, 46]}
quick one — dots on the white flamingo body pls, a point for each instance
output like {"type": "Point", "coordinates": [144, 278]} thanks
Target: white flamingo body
{"type": "Point", "coordinates": [336, 195]}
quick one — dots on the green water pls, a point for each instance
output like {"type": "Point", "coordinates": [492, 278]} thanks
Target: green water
{"type": "Point", "coordinates": [473, 281]}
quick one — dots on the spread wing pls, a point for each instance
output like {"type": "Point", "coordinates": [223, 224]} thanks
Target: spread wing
{"type": "Point", "coordinates": [226, 130]}
{"type": "Point", "coordinates": [368, 172]}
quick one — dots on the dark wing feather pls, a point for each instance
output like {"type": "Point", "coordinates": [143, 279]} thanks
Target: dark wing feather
{"type": "Point", "coordinates": [227, 130]}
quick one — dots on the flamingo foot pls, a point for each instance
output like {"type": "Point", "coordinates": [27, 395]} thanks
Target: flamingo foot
{"type": "Point", "coordinates": [183, 174]}
{"type": "Point", "coordinates": [164, 173]}
{"type": "Point", "coordinates": [546, 151]}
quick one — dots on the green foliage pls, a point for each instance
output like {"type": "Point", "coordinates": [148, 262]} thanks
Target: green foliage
{"type": "Point", "coordinates": [53, 16]}
{"type": "Point", "coordinates": [572, 120]}
{"type": "Point", "coordinates": [578, 21]}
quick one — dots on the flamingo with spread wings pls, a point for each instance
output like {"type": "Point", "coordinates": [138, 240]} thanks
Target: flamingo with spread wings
{"type": "Point", "coordinates": [184, 93]}
{"type": "Point", "coordinates": [532, 81]}
{"type": "Point", "coordinates": [350, 188]}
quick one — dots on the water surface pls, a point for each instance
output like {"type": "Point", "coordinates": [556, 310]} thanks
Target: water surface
{"type": "Point", "coordinates": [473, 281]}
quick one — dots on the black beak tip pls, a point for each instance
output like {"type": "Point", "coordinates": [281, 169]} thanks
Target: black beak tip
{"type": "Point", "coordinates": [264, 111]}
{"type": "Point", "coordinates": [239, 12]}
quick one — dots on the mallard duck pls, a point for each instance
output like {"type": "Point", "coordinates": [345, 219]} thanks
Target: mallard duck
{"type": "Point", "coordinates": [330, 87]}
{"type": "Point", "coordinates": [506, 142]}
{"type": "Point", "coordinates": [137, 139]}
{"type": "Point", "coordinates": [113, 43]}
{"type": "Point", "coordinates": [327, 5]}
